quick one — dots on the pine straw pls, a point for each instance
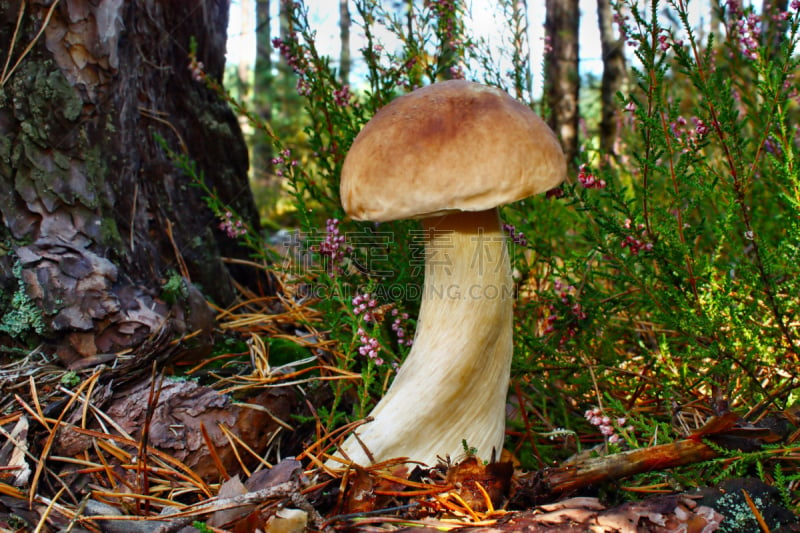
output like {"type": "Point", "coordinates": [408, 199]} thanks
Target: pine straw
{"type": "Point", "coordinates": [122, 471]}
{"type": "Point", "coordinates": [139, 480]}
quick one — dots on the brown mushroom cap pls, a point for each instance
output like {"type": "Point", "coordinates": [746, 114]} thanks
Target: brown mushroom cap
{"type": "Point", "coordinates": [454, 145]}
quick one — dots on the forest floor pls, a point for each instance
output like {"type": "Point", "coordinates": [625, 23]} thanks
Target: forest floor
{"type": "Point", "coordinates": [236, 444]}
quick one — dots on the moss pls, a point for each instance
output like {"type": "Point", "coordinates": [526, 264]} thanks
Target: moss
{"type": "Point", "coordinates": [738, 514]}
{"type": "Point", "coordinates": [49, 112]}
{"type": "Point", "coordinates": [64, 95]}
{"type": "Point", "coordinates": [109, 231]}
{"type": "Point", "coordinates": [210, 122]}
{"type": "Point", "coordinates": [70, 379]}
{"type": "Point", "coordinates": [5, 155]}
{"type": "Point", "coordinates": [24, 316]}
{"type": "Point", "coordinates": [174, 289]}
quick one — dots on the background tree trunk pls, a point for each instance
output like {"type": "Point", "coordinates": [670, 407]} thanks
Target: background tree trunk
{"type": "Point", "coordinates": [613, 50]}
{"type": "Point", "coordinates": [344, 37]}
{"type": "Point", "coordinates": [246, 27]}
{"type": "Point", "coordinates": [562, 80]}
{"type": "Point", "coordinates": [95, 215]}
{"type": "Point", "coordinates": [266, 184]}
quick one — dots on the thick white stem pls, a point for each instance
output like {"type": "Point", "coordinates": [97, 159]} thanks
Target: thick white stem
{"type": "Point", "coordinates": [452, 386]}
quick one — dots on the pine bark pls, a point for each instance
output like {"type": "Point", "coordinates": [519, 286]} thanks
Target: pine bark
{"type": "Point", "coordinates": [95, 214]}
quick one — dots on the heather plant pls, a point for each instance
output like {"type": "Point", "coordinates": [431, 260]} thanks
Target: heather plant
{"type": "Point", "coordinates": [677, 269]}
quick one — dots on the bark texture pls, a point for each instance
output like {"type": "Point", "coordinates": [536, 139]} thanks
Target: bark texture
{"type": "Point", "coordinates": [613, 49]}
{"type": "Point", "coordinates": [95, 215]}
{"type": "Point", "coordinates": [344, 39]}
{"type": "Point", "coordinates": [562, 80]}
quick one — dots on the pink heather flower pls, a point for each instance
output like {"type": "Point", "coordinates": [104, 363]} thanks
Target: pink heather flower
{"type": "Point", "coordinates": [604, 424]}
{"type": "Point", "coordinates": [399, 329]}
{"type": "Point", "coordinates": [341, 97]}
{"type": "Point", "coordinates": [232, 227]}
{"type": "Point", "coordinates": [517, 237]}
{"type": "Point", "coordinates": [622, 23]}
{"type": "Point", "coordinates": [577, 310]}
{"type": "Point", "coordinates": [700, 127]}
{"type": "Point", "coordinates": [363, 304]}
{"type": "Point", "coordinates": [567, 297]}
{"type": "Point", "coordinates": [457, 72]}
{"type": "Point", "coordinates": [686, 136]}
{"type": "Point", "coordinates": [334, 244]}
{"type": "Point", "coordinates": [369, 346]}
{"type": "Point", "coordinates": [282, 162]}
{"type": "Point", "coordinates": [662, 42]}
{"type": "Point", "coordinates": [196, 68]}
{"type": "Point", "coordinates": [636, 245]}
{"type": "Point", "coordinates": [795, 5]}
{"type": "Point", "coordinates": [749, 30]}
{"type": "Point", "coordinates": [588, 180]}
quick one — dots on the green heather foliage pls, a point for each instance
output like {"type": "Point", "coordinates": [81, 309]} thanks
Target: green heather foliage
{"type": "Point", "coordinates": [661, 276]}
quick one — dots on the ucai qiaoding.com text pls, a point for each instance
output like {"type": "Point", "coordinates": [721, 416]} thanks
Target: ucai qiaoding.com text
{"type": "Point", "coordinates": [411, 291]}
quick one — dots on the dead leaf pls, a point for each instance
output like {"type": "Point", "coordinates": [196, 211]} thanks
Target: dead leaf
{"type": "Point", "coordinates": [494, 478]}
{"type": "Point", "coordinates": [287, 521]}
{"type": "Point", "coordinates": [229, 489]}
{"type": "Point", "coordinates": [183, 406]}
{"type": "Point", "coordinates": [12, 453]}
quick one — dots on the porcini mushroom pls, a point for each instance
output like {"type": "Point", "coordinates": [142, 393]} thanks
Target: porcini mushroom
{"type": "Point", "coordinates": [449, 154]}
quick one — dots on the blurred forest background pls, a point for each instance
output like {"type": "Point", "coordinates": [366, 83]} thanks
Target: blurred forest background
{"type": "Point", "coordinates": [591, 59]}
{"type": "Point", "coordinates": [581, 75]}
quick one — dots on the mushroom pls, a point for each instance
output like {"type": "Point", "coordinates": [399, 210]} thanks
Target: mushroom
{"type": "Point", "coordinates": [449, 154]}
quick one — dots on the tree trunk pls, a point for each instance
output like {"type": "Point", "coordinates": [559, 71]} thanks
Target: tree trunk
{"type": "Point", "coordinates": [263, 95]}
{"type": "Point", "coordinates": [344, 36]}
{"type": "Point", "coordinates": [95, 214]}
{"type": "Point", "coordinates": [562, 80]}
{"type": "Point", "coordinates": [613, 50]}
{"type": "Point", "coordinates": [246, 27]}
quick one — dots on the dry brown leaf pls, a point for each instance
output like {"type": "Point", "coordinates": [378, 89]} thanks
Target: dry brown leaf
{"type": "Point", "coordinates": [229, 489]}
{"type": "Point", "coordinates": [12, 454]}
{"type": "Point", "coordinates": [494, 478]}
